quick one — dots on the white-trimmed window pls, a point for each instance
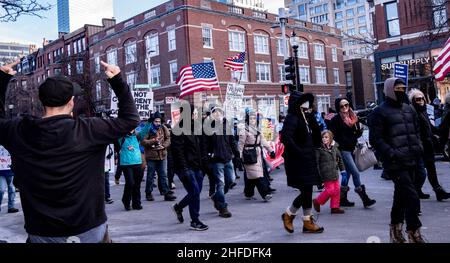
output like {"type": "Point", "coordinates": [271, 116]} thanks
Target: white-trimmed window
{"type": "Point", "coordinates": [173, 65]}
{"type": "Point", "coordinates": [98, 90]}
{"type": "Point", "coordinates": [334, 55]}
{"type": "Point", "coordinates": [282, 73]}
{"type": "Point", "coordinates": [336, 75]}
{"type": "Point", "coordinates": [321, 75]}
{"type": "Point", "coordinates": [261, 44]}
{"type": "Point", "coordinates": [236, 41]}
{"type": "Point", "coordinates": [323, 103]}
{"type": "Point", "coordinates": [131, 78]}
{"type": "Point", "coordinates": [80, 65]}
{"type": "Point", "coordinates": [69, 70]}
{"type": "Point", "coordinates": [155, 75]}
{"type": "Point", "coordinates": [152, 45]}
{"type": "Point", "coordinates": [303, 49]}
{"type": "Point", "coordinates": [97, 63]}
{"type": "Point", "coordinates": [206, 60]}
{"type": "Point", "coordinates": [207, 36]}
{"type": "Point", "coordinates": [237, 75]}
{"type": "Point", "coordinates": [68, 50]}
{"type": "Point", "coordinates": [263, 72]}
{"type": "Point", "coordinates": [130, 52]}
{"type": "Point", "coordinates": [172, 40]}
{"type": "Point", "coordinates": [319, 51]}
{"type": "Point", "coordinates": [280, 50]}
{"type": "Point", "coordinates": [111, 56]}
{"type": "Point", "coordinates": [304, 74]}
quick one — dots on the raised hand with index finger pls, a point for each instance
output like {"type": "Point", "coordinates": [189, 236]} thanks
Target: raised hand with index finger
{"type": "Point", "coordinates": [110, 70]}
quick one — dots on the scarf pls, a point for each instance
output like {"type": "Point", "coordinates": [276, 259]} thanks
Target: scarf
{"type": "Point", "coordinates": [153, 129]}
{"type": "Point", "coordinates": [349, 118]}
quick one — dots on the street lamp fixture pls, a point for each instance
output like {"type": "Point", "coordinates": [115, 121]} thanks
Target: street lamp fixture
{"type": "Point", "coordinates": [11, 108]}
{"type": "Point", "coordinates": [294, 40]}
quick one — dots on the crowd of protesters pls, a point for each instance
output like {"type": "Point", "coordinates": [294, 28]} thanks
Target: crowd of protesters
{"type": "Point", "coordinates": [56, 156]}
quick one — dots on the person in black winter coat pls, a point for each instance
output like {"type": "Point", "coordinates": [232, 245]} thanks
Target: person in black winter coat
{"type": "Point", "coordinates": [347, 128]}
{"type": "Point", "coordinates": [427, 131]}
{"type": "Point", "coordinates": [301, 136]}
{"type": "Point", "coordinates": [59, 160]}
{"type": "Point", "coordinates": [395, 134]}
{"type": "Point", "coordinates": [444, 129]}
{"type": "Point", "coordinates": [189, 155]}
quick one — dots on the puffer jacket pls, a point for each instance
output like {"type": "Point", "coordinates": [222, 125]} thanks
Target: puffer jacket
{"type": "Point", "coordinates": [329, 162]}
{"type": "Point", "coordinates": [395, 132]}
{"type": "Point", "coordinates": [152, 151]}
{"type": "Point", "coordinates": [346, 137]}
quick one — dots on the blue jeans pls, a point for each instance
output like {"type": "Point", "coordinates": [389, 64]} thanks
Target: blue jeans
{"type": "Point", "coordinates": [351, 169]}
{"type": "Point", "coordinates": [224, 176]}
{"type": "Point", "coordinates": [107, 191]}
{"type": "Point", "coordinates": [420, 175]}
{"type": "Point", "coordinates": [6, 181]}
{"type": "Point", "coordinates": [161, 168]}
{"type": "Point", "coordinates": [193, 183]}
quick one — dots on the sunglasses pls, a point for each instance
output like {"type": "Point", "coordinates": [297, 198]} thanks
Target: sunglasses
{"type": "Point", "coordinates": [419, 99]}
{"type": "Point", "coordinates": [345, 106]}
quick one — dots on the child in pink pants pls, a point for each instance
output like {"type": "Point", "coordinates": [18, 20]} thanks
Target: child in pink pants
{"type": "Point", "coordinates": [329, 161]}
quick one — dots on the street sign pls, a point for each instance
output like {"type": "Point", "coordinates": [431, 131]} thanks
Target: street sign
{"type": "Point", "coordinates": [401, 72]}
{"type": "Point", "coordinates": [142, 87]}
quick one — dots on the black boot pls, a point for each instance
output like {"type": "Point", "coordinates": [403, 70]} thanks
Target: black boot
{"type": "Point", "coordinates": [367, 202]}
{"type": "Point", "coordinates": [441, 194]}
{"type": "Point", "coordinates": [422, 195]}
{"type": "Point", "coordinates": [344, 201]}
{"type": "Point", "coordinates": [385, 176]}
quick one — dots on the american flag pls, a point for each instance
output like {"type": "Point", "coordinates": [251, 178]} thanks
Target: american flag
{"type": "Point", "coordinates": [442, 66]}
{"type": "Point", "coordinates": [197, 77]}
{"type": "Point", "coordinates": [236, 63]}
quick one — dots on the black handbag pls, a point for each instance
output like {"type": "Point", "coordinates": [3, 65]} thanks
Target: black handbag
{"type": "Point", "coordinates": [250, 155]}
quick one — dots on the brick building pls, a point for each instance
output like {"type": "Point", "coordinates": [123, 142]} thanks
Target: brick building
{"type": "Point", "coordinates": [68, 55]}
{"type": "Point", "coordinates": [411, 32]}
{"type": "Point", "coordinates": [182, 32]}
{"type": "Point", "coordinates": [359, 79]}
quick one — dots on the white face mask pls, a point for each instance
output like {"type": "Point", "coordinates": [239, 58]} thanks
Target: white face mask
{"type": "Point", "coordinates": [305, 105]}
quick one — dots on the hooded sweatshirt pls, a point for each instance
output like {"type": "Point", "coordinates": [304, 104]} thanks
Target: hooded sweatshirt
{"type": "Point", "coordinates": [59, 165]}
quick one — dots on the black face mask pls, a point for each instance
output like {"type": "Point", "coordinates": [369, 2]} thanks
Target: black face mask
{"type": "Point", "coordinates": [401, 96]}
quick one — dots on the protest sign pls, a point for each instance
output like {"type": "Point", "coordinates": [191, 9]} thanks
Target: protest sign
{"type": "Point", "coordinates": [5, 159]}
{"type": "Point", "coordinates": [234, 100]}
{"type": "Point", "coordinates": [143, 97]}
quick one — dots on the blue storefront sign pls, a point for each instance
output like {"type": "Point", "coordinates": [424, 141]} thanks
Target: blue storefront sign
{"type": "Point", "coordinates": [401, 72]}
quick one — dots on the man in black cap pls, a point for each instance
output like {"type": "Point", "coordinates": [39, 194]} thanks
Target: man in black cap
{"type": "Point", "coordinates": [394, 132]}
{"type": "Point", "coordinates": [59, 160]}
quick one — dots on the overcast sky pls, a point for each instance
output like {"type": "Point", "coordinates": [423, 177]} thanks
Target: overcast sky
{"type": "Point", "coordinates": [31, 30]}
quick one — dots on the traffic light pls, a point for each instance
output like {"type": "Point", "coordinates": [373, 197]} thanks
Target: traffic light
{"type": "Point", "coordinates": [290, 69]}
{"type": "Point", "coordinates": [286, 88]}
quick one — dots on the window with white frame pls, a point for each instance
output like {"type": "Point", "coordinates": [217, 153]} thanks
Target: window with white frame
{"type": "Point", "coordinates": [321, 75]}
{"type": "Point", "coordinates": [303, 49]}
{"type": "Point", "coordinates": [155, 75]}
{"type": "Point", "coordinates": [69, 69]}
{"type": "Point", "coordinates": [172, 40]}
{"type": "Point", "coordinates": [282, 73]}
{"type": "Point", "coordinates": [304, 74]}
{"type": "Point", "coordinates": [263, 72]}
{"type": "Point", "coordinates": [131, 78]}
{"type": "Point", "coordinates": [236, 41]}
{"type": "Point", "coordinates": [111, 56]}
{"type": "Point", "coordinates": [152, 45]}
{"type": "Point", "coordinates": [206, 60]}
{"type": "Point", "coordinates": [173, 65]}
{"type": "Point", "coordinates": [323, 103]}
{"type": "Point", "coordinates": [439, 13]}
{"type": "Point", "coordinates": [98, 90]}
{"type": "Point", "coordinates": [280, 49]}
{"type": "Point", "coordinates": [237, 75]}
{"type": "Point", "coordinates": [207, 33]}
{"type": "Point", "coordinates": [80, 67]}
{"type": "Point", "coordinates": [336, 75]}
{"type": "Point", "coordinates": [261, 44]}
{"type": "Point", "coordinates": [319, 51]}
{"type": "Point", "coordinates": [130, 53]}
{"type": "Point", "coordinates": [97, 63]}
{"type": "Point", "coordinates": [267, 105]}
{"type": "Point", "coordinates": [68, 50]}
{"type": "Point", "coordinates": [334, 56]}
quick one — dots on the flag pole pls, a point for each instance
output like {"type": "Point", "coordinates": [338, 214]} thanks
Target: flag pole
{"type": "Point", "coordinates": [217, 75]}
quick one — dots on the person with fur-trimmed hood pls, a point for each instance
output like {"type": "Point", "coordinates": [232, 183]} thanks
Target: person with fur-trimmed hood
{"type": "Point", "coordinates": [418, 101]}
{"type": "Point", "coordinates": [395, 134]}
{"type": "Point", "coordinates": [301, 136]}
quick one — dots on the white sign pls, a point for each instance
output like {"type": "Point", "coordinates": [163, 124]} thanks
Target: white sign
{"type": "Point", "coordinates": [430, 112]}
{"type": "Point", "coordinates": [234, 100]}
{"type": "Point", "coordinates": [5, 159]}
{"type": "Point", "coordinates": [170, 100]}
{"type": "Point", "coordinates": [109, 159]}
{"type": "Point", "coordinates": [143, 97]}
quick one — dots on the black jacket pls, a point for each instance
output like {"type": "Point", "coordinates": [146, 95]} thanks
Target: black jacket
{"type": "Point", "coordinates": [346, 137]}
{"type": "Point", "coordinates": [395, 134]}
{"type": "Point", "coordinates": [188, 151]}
{"type": "Point", "coordinates": [220, 146]}
{"type": "Point", "coordinates": [300, 141]}
{"type": "Point", "coordinates": [444, 128]}
{"type": "Point", "coordinates": [59, 165]}
{"type": "Point", "coordinates": [426, 133]}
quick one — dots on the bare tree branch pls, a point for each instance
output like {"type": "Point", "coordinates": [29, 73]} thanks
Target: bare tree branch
{"type": "Point", "coordinates": [11, 10]}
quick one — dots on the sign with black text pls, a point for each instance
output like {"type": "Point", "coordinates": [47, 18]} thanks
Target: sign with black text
{"type": "Point", "coordinates": [143, 97]}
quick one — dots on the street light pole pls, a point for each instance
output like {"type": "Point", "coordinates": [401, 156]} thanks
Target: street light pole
{"type": "Point", "coordinates": [283, 21]}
